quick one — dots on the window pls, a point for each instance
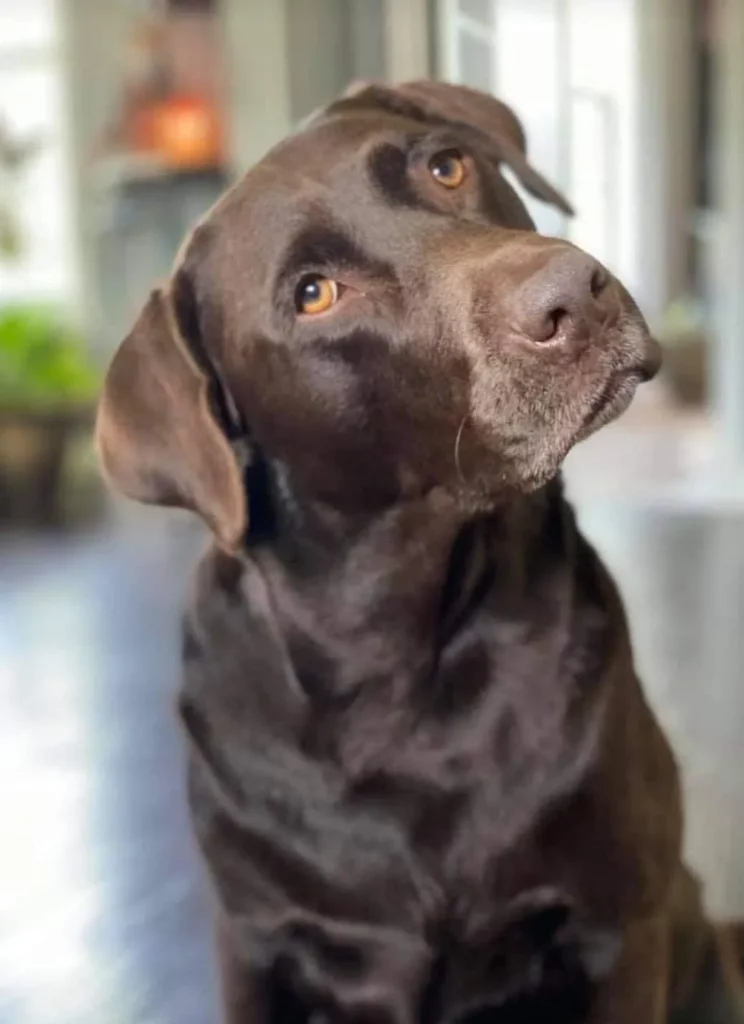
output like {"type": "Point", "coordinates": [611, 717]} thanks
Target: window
{"type": "Point", "coordinates": [511, 48]}
{"type": "Point", "coordinates": [32, 110]}
{"type": "Point", "coordinates": [570, 70]}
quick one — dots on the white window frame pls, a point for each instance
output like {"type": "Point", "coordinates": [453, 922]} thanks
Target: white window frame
{"type": "Point", "coordinates": [451, 22]}
{"type": "Point", "coordinates": [18, 284]}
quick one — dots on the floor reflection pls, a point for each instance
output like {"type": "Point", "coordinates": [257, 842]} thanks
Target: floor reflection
{"type": "Point", "coordinates": [103, 916]}
{"type": "Point", "coordinates": [682, 575]}
{"type": "Point", "coordinates": [103, 912]}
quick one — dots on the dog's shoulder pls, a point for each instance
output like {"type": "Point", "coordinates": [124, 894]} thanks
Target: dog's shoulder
{"type": "Point", "coordinates": [239, 700]}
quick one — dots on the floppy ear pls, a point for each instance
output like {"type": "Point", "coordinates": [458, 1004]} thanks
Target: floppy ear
{"type": "Point", "coordinates": [158, 430]}
{"type": "Point", "coordinates": [458, 104]}
{"type": "Point", "coordinates": [533, 181]}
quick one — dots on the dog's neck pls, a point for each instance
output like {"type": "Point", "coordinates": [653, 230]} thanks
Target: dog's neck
{"type": "Point", "coordinates": [376, 598]}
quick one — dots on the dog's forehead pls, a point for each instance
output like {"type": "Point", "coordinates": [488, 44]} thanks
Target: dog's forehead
{"type": "Point", "coordinates": [321, 166]}
{"type": "Point", "coordinates": [330, 141]}
{"type": "Point", "coordinates": [316, 156]}
{"type": "Point", "coordinates": [319, 154]}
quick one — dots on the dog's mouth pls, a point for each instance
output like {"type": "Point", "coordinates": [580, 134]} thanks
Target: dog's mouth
{"type": "Point", "coordinates": [613, 400]}
{"type": "Point", "coordinates": [618, 392]}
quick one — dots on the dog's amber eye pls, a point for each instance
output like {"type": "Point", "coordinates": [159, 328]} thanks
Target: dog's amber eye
{"type": "Point", "coordinates": [315, 295]}
{"type": "Point", "coordinates": [448, 168]}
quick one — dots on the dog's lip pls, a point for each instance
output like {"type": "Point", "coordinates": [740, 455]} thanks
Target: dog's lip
{"type": "Point", "coordinates": [622, 383]}
{"type": "Point", "coordinates": [617, 393]}
{"type": "Point", "coordinates": [651, 363]}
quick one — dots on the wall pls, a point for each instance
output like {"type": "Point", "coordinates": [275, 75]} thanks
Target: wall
{"type": "Point", "coordinates": [92, 35]}
{"type": "Point", "coordinates": [318, 41]}
{"type": "Point", "coordinates": [367, 38]}
{"type": "Point", "coordinates": [727, 239]}
{"type": "Point", "coordinates": [289, 57]}
{"type": "Point", "coordinates": [667, 97]}
{"type": "Point", "coordinates": [407, 39]}
{"type": "Point", "coordinates": [258, 83]}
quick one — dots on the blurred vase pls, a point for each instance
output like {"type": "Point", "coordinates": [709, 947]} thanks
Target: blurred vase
{"type": "Point", "coordinates": [188, 132]}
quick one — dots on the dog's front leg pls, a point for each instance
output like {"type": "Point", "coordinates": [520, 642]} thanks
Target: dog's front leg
{"type": "Point", "coordinates": [636, 991]}
{"type": "Point", "coordinates": [245, 1000]}
{"type": "Point", "coordinates": [310, 970]}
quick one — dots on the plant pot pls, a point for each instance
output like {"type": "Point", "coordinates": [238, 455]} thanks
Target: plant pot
{"type": "Point", "coordinates": [686, 368]}
{"type": "Point", "coordinates": [34, 446]}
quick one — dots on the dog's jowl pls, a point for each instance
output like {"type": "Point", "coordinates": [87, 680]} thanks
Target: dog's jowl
{"type": "Point", "coordinates": [423, 774]}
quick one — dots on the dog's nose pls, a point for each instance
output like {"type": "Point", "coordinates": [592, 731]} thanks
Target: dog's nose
{"type": "Point", "coordinates": [563, 299]}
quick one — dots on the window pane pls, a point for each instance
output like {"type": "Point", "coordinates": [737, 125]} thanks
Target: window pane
{"type": "Point", "coordinates": [530, 69]}
{"type": "Point", "coordinates": [31, 109]}
{"type": "Point", "coordinates": [26, 23]}
{"type": "Point", "coordinates": [479, 10]}
{"type": "Point", "coordinates": [475, 62]}
{"type": "Point", "coordinates": [592, 185]}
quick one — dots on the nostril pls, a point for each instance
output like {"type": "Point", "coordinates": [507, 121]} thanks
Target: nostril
{"type": "Point", "coordinates": [553, 323]}
{"type": "Point", "coordinates": [598, 282]}
{"type": "Point", "coordinates": [563, 300]}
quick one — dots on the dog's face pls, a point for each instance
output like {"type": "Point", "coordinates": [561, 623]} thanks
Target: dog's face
{"type": "Point", "coordinates": [372, 306]}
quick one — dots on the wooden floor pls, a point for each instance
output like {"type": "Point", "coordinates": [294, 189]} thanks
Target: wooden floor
{"type": "Point", "coordinates": [103, 908]}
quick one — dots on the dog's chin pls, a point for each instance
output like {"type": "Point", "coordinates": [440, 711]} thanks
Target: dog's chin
{"type": "Point", "coordinates": [538, 466]}
{"type": "Point", "coordinates": [616, 395]}
{"type": "Point", "coordinates": [620, 387]}
{"type": "Point", "coordinates": [608, 405]}
{"type": "Point", "coordinates": [611, 403]}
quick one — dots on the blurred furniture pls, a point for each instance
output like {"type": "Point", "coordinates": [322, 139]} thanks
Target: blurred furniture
{"type": "Point", "coordinates": [265, 66]}
{"type": "Point", "coordinates": [152, 150]}
{"type": "Point", "coordinates": [142, 220]}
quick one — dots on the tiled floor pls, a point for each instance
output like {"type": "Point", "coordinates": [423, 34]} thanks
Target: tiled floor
{"type": "Point", "coordinates": [103, 918]}
{"type": "Point", "coordinates": [103, 914]}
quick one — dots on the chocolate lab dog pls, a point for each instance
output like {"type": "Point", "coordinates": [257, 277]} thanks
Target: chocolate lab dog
{"type": "Point", "coordinates": [423, 773]}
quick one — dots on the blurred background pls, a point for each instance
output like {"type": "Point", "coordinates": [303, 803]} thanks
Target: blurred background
{"type": "Point", "coordinates": [120, 123]}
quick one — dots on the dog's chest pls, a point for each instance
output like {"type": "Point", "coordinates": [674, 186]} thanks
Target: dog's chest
{"type": "Point", "coordinates": [506, 729]}
{"type": "Point", "coordinates": [508, 743]}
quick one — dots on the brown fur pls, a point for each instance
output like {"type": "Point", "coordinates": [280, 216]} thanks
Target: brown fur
{"type": "Point", "coordinates": [423, 773]}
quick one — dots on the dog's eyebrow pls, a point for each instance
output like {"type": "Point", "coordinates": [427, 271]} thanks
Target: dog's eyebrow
{"type": "Point", "coordinates": [389, 164]}
{"type": "Point", "coordinates": [389, 170]}
{"type": "Point", "coordinates": [320, 247]}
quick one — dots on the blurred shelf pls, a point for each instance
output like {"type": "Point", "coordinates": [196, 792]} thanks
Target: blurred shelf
{"type": "Point", "coordinates": [127, 169]}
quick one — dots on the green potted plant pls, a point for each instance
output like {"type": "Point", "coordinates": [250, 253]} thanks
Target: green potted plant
{"type": "Point", "coordinates": [47, 383]}
{"type": "Point", "coordinates": [47, 395]}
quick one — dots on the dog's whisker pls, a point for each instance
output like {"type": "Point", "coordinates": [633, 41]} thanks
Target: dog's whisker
{"type": "Point", "coordinates": [458, 439]}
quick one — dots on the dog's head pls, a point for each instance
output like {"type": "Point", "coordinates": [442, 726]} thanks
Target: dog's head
{"type": "Point", "coordinates": [371, 307]}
